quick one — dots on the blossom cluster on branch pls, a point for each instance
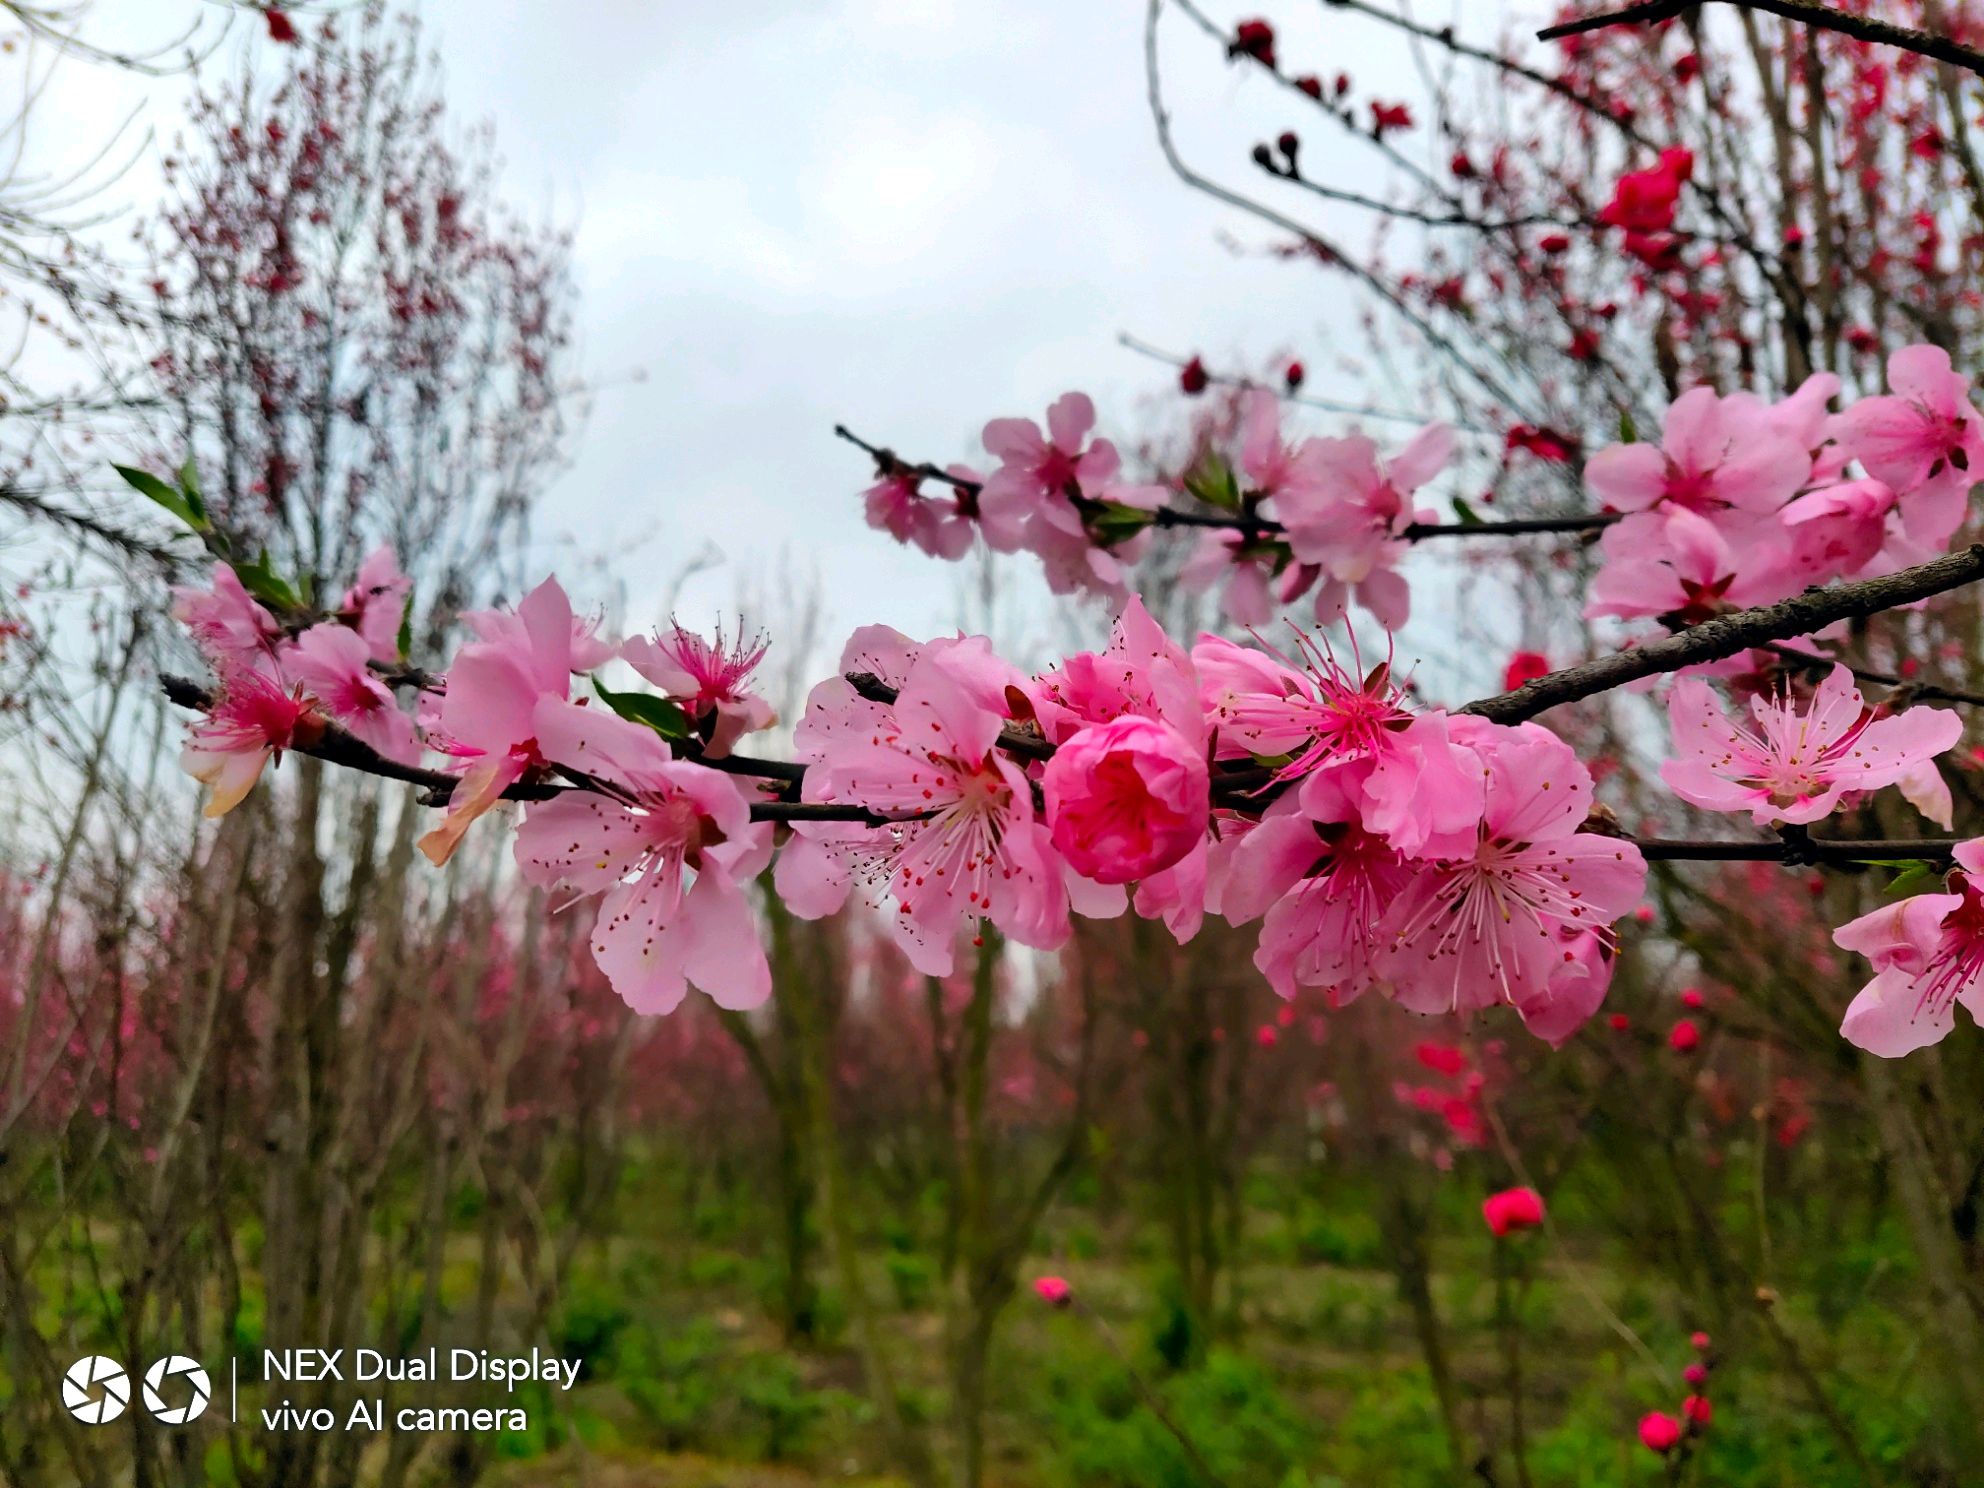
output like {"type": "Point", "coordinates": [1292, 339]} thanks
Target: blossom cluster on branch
{"type": "Point", "coordinates": [1451, 860]}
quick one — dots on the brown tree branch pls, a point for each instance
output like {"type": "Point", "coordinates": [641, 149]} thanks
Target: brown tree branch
{"type": "Point", "coordinates": [1804, 12]}
{"type": "Point", "coordinates": [1726, 635]}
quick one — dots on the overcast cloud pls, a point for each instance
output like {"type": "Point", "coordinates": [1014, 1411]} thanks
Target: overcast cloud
{"type": "Point", "coordinates": [908, 215]}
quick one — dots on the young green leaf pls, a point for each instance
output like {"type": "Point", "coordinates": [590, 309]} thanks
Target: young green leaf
{"type": "Point", "coordinates": [1213, 482]}
{"type": "Point", "coordinates": [1913, 877]}
{"type": "Point", "coordinates": [262, 581]}
{"type": "Point", "coordinates": [189, 487]}
{"type": "Point", "coordinates": [149, 485]}
{"type": "Point", "coordinates": [658, 713]}
{"type": "Point", "coordinates": [1468, 515]}
{"type": "Point", "coordinates": [1116, 522]}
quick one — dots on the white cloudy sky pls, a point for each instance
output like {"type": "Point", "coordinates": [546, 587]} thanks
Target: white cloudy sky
{"type": "Point", "coordinates": [908, 215]}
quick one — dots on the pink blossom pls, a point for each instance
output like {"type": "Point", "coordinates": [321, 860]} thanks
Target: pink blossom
{"type": "Point", "coordinates": [707, 677]}
{"type": "Point", "coordinates": [1351, 532]}
{"type": "Point", "coordinates": [1053, 1291]}
{"type": "Point", "coordinates": [1922, 439]}
{"type": "Point", "coordinates": [252, 721]}
{"type": "Point", "coordinates": [330, 660]}
{"type": "Point", "coordinates": [1671, 562]}
{"type": "Point", "coordinates": [1696, 1374]}
{"type": "Point", "coordinates": [1833, 532]}
{"type": "Point", "coordinates": [487, 716]}
{"type": "Point", "coordinates": [1419, 794]}
{"type": "Point", "coordinates": [1698, 1410]}
{"type": "Point", "coordinates": [1276, 467]}
{"type": "Point", "coordinates": [226, 622]}
{"type": "Point", "coordinates": [1246, 564]}
{"type": "Point", "coordinates": [1684, 1037]}
{"type": "Point", "coordinates": [1796, 763]}
{"type": "Point", "coordinates": [1323, 881]}
{"type": "Point", "coordinates": [939, 524]}
{"type": "Point", "coordinates": [669, 857]}
{"type": "Point", "coordinates": [1038, 473]}
{"type": "Point", "coordinates": [1126, 799]}
{"type": "Point", "coordinates": [1142, 671]}
{"type": "Point", "coordinates": [375, 604]}
{"type": "Point", "coordinates": [1490, 925]}
{"type": "Point", "coordinates": [969, 844]}
{"type": "Point", "coordinates": [1716, 456]}
{"type": "Point", "coordinates": [1512, 1209]}
{"type": "Point", "coordinates": [1928, 955]}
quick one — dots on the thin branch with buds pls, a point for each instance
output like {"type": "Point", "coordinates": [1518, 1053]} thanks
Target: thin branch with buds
{"type": "Point", "coordinates": [891, 465]}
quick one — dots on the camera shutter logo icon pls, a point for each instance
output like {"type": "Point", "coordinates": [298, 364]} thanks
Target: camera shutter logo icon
{"type": "Point", "coordinates": [96, 1389]}
{"type": "Point", "coordinates": [186, 1381]}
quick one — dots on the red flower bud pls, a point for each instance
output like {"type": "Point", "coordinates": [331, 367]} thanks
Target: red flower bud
{"type": "Point", "coordinates": [1659, 1432]}
{"type": "Point", "coordinates": [1193, 378]}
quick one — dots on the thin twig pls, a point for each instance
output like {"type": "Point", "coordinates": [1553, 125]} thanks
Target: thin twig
{"type": "Point", "coordinates": [1805, 12]}
{"type": "Point", "coordinates": [1726, 635]}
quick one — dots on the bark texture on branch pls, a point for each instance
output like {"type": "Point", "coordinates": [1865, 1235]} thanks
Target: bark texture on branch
{"type": "Point", "coordinates": [1725, 635]}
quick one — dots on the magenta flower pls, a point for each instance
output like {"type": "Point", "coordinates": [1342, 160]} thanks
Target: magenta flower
{"type": "Point", "coordinates": [1924, 439]}
{"type": "Point", "coordinates": [330, 660]}
{"type": "Point", "coordinates": [1490, 925]}
{"type": "Point", "coordinates": [707, 677]}
{"type": "Point", "coordinates": [487, 716]}
{"type": "Point", "coordinates": [1928, 955]}
{"type": "Point", "coordinates": [669, 854]}
{"type": "Point", "coordinates": [1052, 1290]}
{"type": "Point", "coordinates": [226, 622]}
{"type": "Point", "coordinates": [1795, 763]}
{"type": "Point", "coordinates": [1659, 1432]}
{"type": "Point", "coordinates": [251, 722]}
{"type": "Point", "coordinates": [1511, 1210]}
{"type": "Point", "coordinates": [1126, 799]}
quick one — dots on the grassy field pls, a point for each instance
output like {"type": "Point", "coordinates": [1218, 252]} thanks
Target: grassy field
{"type": "Point", "coordinates": [1314, 1378]}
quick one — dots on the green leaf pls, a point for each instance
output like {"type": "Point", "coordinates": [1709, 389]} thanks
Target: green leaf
{"type": "Point", "coordinates": [265, 583]}
{"type": "Point", "coordinates": [405, 638]}
{"type": "Point", "coordinates": [1213, 482]}
{"type": "Point", "coordinates": [147, 484]}
{"type": "Point", "coordinates": [1469, 517]}
{"type": "Point", "coordinates": [189, 487]}
{"type": "Point", "coordinates": [1628, 433]}
{"type": "Point", "coordinates": [658, 713]}
{"type": "Point", "coordinates": [1913, 876]}
{"type": "Point", "coordinates": [1114, 522]}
